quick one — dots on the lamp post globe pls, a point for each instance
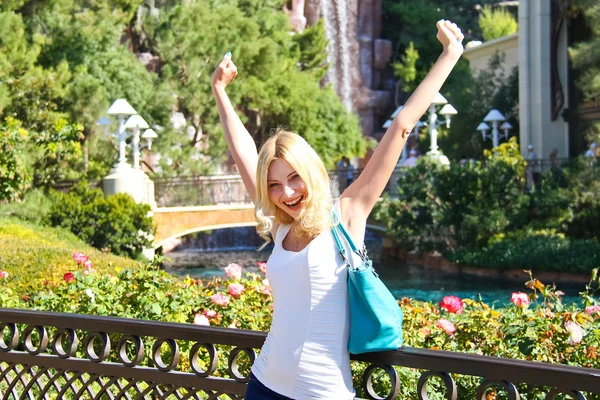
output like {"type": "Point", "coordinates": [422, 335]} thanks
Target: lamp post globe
{"type": "Point", "coordinates": [149, 135]}
{"type": "Point", "coordinates": [506, 127]}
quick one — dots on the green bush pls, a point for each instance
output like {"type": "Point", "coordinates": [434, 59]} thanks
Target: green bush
{"type": "Point", "coordinates": [539, 250]}
{"type": "Point", "coordinates": [458, 206]}
{"type": "Point", "coordinates": [537, 327]}
{"type": "Point", "coordinates": [116, 223]}
{"type": "Point", "coordinates": [32, 208]}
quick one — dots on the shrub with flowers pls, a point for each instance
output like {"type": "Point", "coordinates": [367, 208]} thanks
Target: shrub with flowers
{"type": "Point", "coordinates": [536, 326]}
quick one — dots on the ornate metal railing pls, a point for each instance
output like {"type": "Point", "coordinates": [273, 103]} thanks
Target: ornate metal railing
{"type": "Point", "coordinates": [42, 357]}
{"type": "Point", "coordinates": [207, 190]}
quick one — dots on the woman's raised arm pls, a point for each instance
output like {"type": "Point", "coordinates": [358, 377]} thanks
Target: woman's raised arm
{"type": "Point", "coordinates": [239, 140]}
{"type": "Point", "coordinates": [360, 197]}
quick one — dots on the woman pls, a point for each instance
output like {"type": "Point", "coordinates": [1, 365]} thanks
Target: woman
{"type": "Point", "coordinates": [305, 355]}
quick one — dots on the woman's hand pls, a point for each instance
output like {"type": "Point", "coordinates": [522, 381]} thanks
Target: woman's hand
{"type": "Point", "coordinates": [226, 72]}
{"type": "Point", "coordinates": [450, 36]}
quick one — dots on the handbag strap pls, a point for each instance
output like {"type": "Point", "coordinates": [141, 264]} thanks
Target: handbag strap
{"type": "Point", "coordinates": [362, 254]}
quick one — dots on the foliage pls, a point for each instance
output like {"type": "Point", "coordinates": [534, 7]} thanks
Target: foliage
{"type": "Point", "coordinates": [32, 208]}
{"type": "Point", "coordinates": [482, 214]}
{"type": "Point", "coordinates": [538, 250]}
{"type": "Point", "coordinates": [490, 89]}
{"type": "Point", "coordinates": [496, 23]}
{"type": "Point", "coordinates": [411, 22]}
{"type": "Point", "coordinates": [585, 56]}
{"type": "Point", "coordinates": [116, 223]}
{"type": "Point", "coordinates": [54, 151]}
{"type": "Point", "coordinates": [278, 81]}
{"type": "Point", "coordinates": [406, 68]}
{"type": "Point", "coordinates": [14, 177]}
{"type": "Point", "coordinates": [538, 327]}
{"type": "Point", "coordinates": [69, 60]}
{"type": "Point", "coordinates": [458, 206]}
{"type": "Point", "coordinates": [32, 254]}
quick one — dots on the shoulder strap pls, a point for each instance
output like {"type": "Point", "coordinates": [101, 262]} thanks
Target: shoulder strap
{"type": "Point", "coordinates": [362, 254]}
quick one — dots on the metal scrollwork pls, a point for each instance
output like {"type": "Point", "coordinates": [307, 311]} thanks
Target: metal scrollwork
{"type": "Point", "coordinates": [233, 362]}
{"type": "Point", "coordinates": [59, 347]}
{"type": "Point", "coordinates": [104, 344]}
{"type": "Point", "coordinates": [28, 339]}
{"type": "Point", "coordinates": [367, 382]}
{"type": "Point", "coordinates": [157, 358]}
{"type": "Point", "coordinates": [575, 394]}
{"type": "Point", "coordinates": [451, 391]}
{"type": "Point", "coordinates": [511, 390]}
{"type": "Point", "coordinates": [213, 362]}
{"type": "Point", "coordinates": [13, 335]}
{"type": "Point", "coordinates": [138, 350]}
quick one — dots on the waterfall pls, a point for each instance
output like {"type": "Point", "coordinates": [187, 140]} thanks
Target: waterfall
{"type": "Point", "coordinates": [335, 16]}
{"type": "Point", "coordinates": [344, 53]}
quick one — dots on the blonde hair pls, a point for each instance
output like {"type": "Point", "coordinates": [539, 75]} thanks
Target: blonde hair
{"type": "Point", "coordinates": [316, 213]}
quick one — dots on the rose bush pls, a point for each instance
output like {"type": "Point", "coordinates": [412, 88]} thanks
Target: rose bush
{"type": "Point", "coordinates": [537, 326]}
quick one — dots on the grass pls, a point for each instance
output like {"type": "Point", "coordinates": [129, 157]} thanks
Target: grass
{"type": "Point", "coordinates": [32, 254]}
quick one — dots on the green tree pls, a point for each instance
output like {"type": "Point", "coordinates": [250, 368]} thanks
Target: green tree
{"type": "Point", "coordinates": [495, 23]}
{"type": "Point", "coordinates": [406, 68]}
{"type": "Point", "coordinates": [278, 80]}
{"type": "Point", "coordinates": [585, 57]}
{"type": "Point", "coordinates": [14, 176]}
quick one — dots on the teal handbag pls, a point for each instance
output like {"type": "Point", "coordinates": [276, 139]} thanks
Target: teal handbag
{"type": "Point", "coordinates": [375, 316]}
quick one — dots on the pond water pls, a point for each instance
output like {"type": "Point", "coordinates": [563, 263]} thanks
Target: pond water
{"type": "Point", "coordinates": [205, 255]}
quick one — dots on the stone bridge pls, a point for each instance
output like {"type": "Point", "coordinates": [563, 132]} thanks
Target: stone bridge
{"type": "Point", "coordinates": [174, 222]}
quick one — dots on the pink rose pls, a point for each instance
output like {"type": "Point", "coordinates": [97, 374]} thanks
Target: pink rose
{"type": "Point", "coordinates": [453, 304]}
{"type": "Point", "coordinates": [262, 266]}
{"type": "Point", "coordinates": [87, 271]}
{"type": "Point", "coordinates": [220, 299]}
{"type": "Point", "coordinates": [68, 277]}
{"type": "Point", "coordinates": [589, 310]}
{"type": "Point", "coordinates": [79, 257]}
{"type": "Point", "coordinates": [236, 289]}
{"type": "Point", "coordinates": [233, 271]}
{"type": "Point", "coordinates": [3, 274]}
{"type": "Point", "coordinates": [209, 313]}
{"type": "Point", "coordinates": [575, 332]}
{"type": "Point", "coordinates": [447, 326]}
{"type": "Point", "coordinates": [520, 299]}
{"type": "Point", "coordinates": [200, 319]}
{"type": "Point", "coordinates": [266, 287]}
{"type": "Point", "coordinates": [87, 264]}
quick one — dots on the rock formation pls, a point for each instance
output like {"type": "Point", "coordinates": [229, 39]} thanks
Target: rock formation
{"type": "Point", "coordinates": [357, 57]}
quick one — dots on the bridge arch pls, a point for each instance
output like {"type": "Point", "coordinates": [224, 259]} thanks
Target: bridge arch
{"type": "Point", "coordinates": [174, 222]}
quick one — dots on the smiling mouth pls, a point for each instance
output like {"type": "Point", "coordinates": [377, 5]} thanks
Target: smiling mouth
{"type": "Point", "coordinates": [294, 204]}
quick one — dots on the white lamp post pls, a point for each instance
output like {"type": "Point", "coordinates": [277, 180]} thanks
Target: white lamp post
{"type": "Point", "coordinates": [136, 123]}
{"type": "Point", "coordinates": [121, 108]}
{"type": "Point", "coordinates": [495, 117]}
{"type": "Point", "coordinates": [483, 128]}
{"type": "Point", "coordinates": [506, 126]}
{"type": "Point", "coordinates": [447, 111]}
{"type": "Point", "coordinates": [149, 135]}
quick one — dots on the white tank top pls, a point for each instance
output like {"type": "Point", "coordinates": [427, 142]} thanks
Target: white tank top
{"type": "Point", "coordinates": [305, 354]}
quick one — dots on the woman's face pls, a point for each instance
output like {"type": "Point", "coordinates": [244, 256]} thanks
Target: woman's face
{"type": "Point", "coordinates": [286, 189]}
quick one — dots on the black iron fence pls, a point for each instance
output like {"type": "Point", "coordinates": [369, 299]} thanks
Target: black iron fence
{"type": "Point", "coordinates": [47, 355]}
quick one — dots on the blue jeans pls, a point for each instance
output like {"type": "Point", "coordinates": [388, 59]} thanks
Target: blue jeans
{"type": "Point", "coordinates": [258, 391]}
